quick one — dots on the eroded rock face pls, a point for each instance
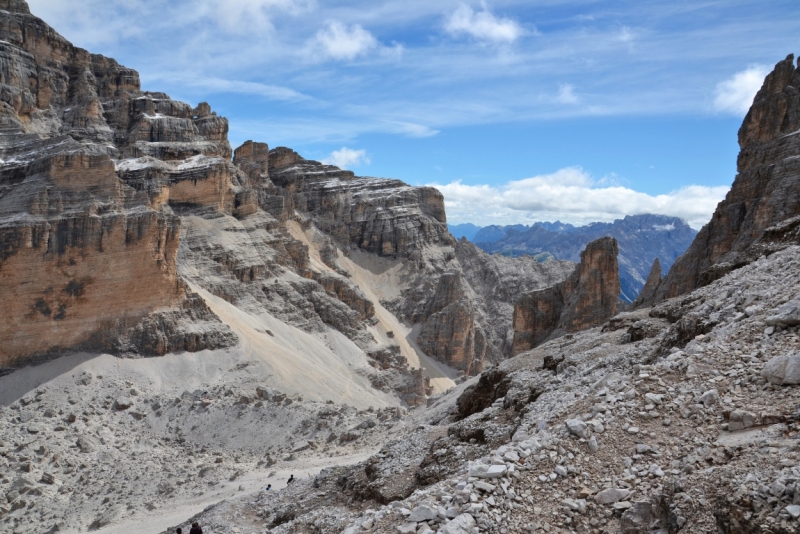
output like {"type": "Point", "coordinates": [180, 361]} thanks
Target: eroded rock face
{"type": "Point", "coordinates": [89, 238]}
{"type": "Point", "coordinates": [587, 298]}
{"type": "Point", "coordinates": [764, 193]}
{"type": "Point", "coordinates": [650, 288]}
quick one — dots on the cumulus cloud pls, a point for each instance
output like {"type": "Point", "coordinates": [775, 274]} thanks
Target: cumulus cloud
{"type": "Point", "coordinates": [735, 95]}
{"type": "Point", "coordinates": [347, 158]}
{"type": "Point", "coordinates": [483, 25]}
{"type": "Point", "coordinates": [571, 195]}
{"type": "Point", "coordinates": [339, 41]}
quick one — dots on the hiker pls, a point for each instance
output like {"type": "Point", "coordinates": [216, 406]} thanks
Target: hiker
{"type": "Point", "coordinates": [269, 487]}
{"type": "Point", "coordinates": [179, 531]}
{"type": "Point", "coordinates": [291, 479]}
{"type": "Point", "coordinates": [196, 529]}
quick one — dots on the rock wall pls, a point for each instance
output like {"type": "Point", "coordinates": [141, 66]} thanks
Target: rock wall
{"type": "Point", "coordinates": [650, 288]}
{"type": "Point", "coordinates": [114, 201]}
{"type": "Point", "coordinates": [586, 299]}
{"type": "Point", "coordinates": [764, 193]}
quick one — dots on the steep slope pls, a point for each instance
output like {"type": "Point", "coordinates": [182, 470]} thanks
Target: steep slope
{"type": "Point", "coordinates": [641, 238]}
{"type": "Point", "coordinates": [764, 193]}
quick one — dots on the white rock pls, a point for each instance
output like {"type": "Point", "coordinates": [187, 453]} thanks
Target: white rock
{"type": "Point", "coordinates": [783, 370]}
{"type": "Point", "coordinates": [407, 528]}
{"type": "Point", "coordinates": [593, 446]}
{"type": "Point", "coordinates": [462, 524]}
{"type": "Point", "coordinates": [794, 510]}
{"type": "Point", "coordinates": [487, 471]}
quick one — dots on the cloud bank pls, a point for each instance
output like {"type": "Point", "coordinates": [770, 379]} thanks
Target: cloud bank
{"type": "Point", "coordinates": [735, 95]}
{"type": "Point", "coordinates": [571, 195]}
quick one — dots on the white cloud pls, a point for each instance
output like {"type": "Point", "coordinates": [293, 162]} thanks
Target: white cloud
{"type": "Point", "coordinates": [735, 95]}
{"type": "Point", "coordinates": [340, 42]}
{"type": "Point", "coordinates": [566, 94]}
{"type": "Point", "coordinates": [411, 129]}
{"type": "Point", "coordinates": [234, 15]}
{"type": "Point", "coordinates": [221, 85]}
{"type": "Point", "coordinates": [483, 25]}
{"type": "Point", "coordinates": [571, 195]}
{"type": "Point", "coordinates": [347, 158]}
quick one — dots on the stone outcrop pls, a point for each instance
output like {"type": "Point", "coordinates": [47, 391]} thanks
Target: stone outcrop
{"type": "Point", "coordinates": [650, 288]}
{"type": "Point", "coordinates": [586, 299]}
{"type": "Point", "coordinates": [640, 239]}
{"type": "Point", "coordinates": [764, 193]}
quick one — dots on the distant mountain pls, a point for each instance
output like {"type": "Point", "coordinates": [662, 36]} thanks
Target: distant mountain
{"type": "Point", "coordinates": [490, 234]}
{"type": "Point", "coordinates": [642, 238]}
{"type": "Point", "coordinates": [467, 230]}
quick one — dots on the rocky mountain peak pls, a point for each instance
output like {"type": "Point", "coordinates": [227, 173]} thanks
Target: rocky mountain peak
{"type": "Point", "coordinates": [764, 193]}
{"type": "Point", "coordinates": [586, 299]}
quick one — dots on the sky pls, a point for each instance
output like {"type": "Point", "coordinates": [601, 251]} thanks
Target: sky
{"type": "Point", "coordinates": [517, 110]}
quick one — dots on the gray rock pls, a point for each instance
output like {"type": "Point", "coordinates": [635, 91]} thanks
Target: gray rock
{"type": "Point", "coordinates": [709, 398]}
{"type": "Point", "coordinates": [794, 510]}
{"type": "Point", "coordinates": [423, 512]}
{"type": "Point", "coordinates": [785, 315]}
{"type": "Point", "coordinates": [611, 495]}
{"type": "Point", "coordinates": [783, 370]}
{"type": "Point", "coordinates": [578, 428]}
{"type": "Point", "coordinates": [593, 446]}
{"type": "Point", "coordinates": [86, 444]}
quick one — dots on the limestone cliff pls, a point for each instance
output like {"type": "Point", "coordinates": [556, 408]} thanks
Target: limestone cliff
{"type": "Point", "coordinates": [764, 193]}
{"type": "Point", "coordinates": [124, 212]}
{"type": "Point", "coordinates": [586, 299]}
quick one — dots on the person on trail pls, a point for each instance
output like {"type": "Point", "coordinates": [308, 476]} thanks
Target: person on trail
{"type": "Point", "coordinates": [269, 487]}
{"type": "Point", "coordinates": [291, 479]}
{"type": "Point", "coordinates": [179, 531]}
{"type": "Point", "coordinates": [196, 529]}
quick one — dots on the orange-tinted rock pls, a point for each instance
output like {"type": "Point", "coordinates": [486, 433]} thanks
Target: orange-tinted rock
{"type": "Point", "coordinates": [586, 299]}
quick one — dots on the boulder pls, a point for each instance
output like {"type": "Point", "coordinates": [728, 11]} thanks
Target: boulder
{"type": "Point", "coordinates": [783, 370]}
{"type": "Point", "coordinates": [611, 495]}
{"type": "Point", "coordinates": [578, 428]}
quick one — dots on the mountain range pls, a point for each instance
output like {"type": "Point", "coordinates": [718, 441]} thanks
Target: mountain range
{"type": "Point", "coordinates": [641, 238]}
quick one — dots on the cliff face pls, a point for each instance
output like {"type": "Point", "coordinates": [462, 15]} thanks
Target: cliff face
{"type": "Point", "coordinates": [764, 193]}
{"type": "Point", "coordinates": [586, 299]}
{"type": "Point", "coordinates": [124, 214]}
{"type": "Point", "coordinates": [81, 237]}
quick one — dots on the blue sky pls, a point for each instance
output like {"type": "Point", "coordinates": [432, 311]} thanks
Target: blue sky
{"type": "Point", "coordinates": [517, 110]}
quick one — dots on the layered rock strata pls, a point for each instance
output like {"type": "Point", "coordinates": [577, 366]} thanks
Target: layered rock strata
{"type": "Point", "coordinates": [764, 193]}
{"type": "Point", "coordinates": [122, 210]}
{"type": "Point", "coordinates": [586, 299]}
